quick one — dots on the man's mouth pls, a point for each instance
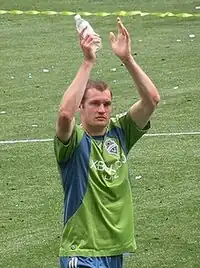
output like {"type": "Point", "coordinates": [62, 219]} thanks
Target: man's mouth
{"type": "Point", "coordinates": [101, 118]}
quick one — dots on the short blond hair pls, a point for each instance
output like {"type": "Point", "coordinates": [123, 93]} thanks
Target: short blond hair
{"type": "Point", "coordinates": [96, 84]}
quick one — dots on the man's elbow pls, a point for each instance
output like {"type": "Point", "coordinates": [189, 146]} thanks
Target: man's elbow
{"type": "Point", "coordinates": [64, 125]}
{"type": "Point", "coordinates": [64, 115]}
{"type": "Point", "coordinates": [151, 101]}
{"type": "Point", "coordinates": [64, 120]}
{"type": "Point", "coordinates": [155, 99]}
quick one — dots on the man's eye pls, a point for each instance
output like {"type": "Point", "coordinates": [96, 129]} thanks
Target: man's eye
{"type": "Point", "coordinates": [107, 104]}
{"type": "Point", "coordinates": [95, 103]}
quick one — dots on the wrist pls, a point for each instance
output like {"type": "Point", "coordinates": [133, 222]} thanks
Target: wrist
{"type": "Point", "coordinates": [87, 63]}
{"type": "Point", "coordinates": [128, 59]}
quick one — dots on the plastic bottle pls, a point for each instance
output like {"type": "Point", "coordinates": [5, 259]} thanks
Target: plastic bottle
{"type": "Point", "coordinates": [82, 24]}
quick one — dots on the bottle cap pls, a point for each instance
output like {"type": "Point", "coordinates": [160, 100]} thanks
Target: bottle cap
{"type": "Point", "coordinates": [77, 16]}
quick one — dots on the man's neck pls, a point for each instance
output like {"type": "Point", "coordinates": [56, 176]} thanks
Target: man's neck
{"type": "Point", "coordinates": [94, 131]}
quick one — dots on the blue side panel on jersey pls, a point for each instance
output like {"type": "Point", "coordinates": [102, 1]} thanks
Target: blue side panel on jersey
{"type": "Point", "coordinates": [118, 133]}
{"type": "Point", "coordinates": [74, 175]}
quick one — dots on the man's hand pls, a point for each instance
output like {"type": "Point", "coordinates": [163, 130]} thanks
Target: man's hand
{"type": "Point", "coordinates": [87, 44]}
{"type": "Point", "coordinates": [121, 45]}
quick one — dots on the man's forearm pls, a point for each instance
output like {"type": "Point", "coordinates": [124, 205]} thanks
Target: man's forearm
{"type": "Point", "coordinates": [74, 94]}
{"type": "Point", "coordinates": [145, 87]}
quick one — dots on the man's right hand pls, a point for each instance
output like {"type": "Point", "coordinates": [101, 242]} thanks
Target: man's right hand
{"type": "Point", "coordinates": [87, 45]}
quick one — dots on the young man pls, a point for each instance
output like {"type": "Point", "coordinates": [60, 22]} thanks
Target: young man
{"type": "Point", "coordinates": [92, 160]}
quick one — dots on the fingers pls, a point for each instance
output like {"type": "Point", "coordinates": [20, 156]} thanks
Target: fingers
{"type": "Point", "coordinates": [82, 34]}
{"type": "Point", "coordinates": [112, 37]}
{"type": "Point", "coordinates": [86, 40]}
{"type": "Point", "coordinates": [96, 35]}
{"type": "Point", "coordinates": [89, 40]}
{"type": "Point", "coordinates": [126, 32]}
{"type": "Point", "coordinates": [96, 41]}
{"type": "Point", "coordinates": [121, 28]}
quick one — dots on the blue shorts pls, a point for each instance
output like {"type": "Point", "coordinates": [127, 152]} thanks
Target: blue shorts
{"type": "Point", "coordinates": [91, 262]}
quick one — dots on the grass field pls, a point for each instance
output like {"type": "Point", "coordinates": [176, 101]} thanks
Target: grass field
{"type": "Point", "coordinates": [167, 195]}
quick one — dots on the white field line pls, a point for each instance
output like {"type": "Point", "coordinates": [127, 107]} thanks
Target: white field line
{"type": "Point", "coordinates": [147, 135]}
{"type": "Point", "coordinates": [25, 141]}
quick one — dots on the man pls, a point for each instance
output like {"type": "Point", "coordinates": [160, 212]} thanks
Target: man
{"type": "Point", "coordinates": [92, 160]}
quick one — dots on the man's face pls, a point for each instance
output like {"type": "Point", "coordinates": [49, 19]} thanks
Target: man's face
{"type": "Point", "coordinates": [96, 110]}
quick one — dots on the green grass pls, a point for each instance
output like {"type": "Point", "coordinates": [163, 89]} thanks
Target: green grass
{"type": "Point", "coordinates": [167, 195]}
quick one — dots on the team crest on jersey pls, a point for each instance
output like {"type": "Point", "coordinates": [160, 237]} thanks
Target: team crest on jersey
{"type": "Point", "coordinates": [111, 146]}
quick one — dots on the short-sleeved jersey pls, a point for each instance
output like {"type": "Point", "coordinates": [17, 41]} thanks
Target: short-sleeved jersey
{"type": "Point", "coordinates": [98, 206]}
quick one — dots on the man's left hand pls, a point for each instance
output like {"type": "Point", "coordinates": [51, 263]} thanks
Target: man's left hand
{"type": "Point", "coordinates": [121, 45]}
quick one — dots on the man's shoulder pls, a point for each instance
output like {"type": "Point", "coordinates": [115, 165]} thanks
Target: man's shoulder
{"type": "Point", "coordinates": [77, 134]}
{"type": "Point", "coordinates": [115, 120]}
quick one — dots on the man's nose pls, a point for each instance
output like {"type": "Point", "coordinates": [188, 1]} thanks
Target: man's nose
{"type": "Point", "coordinates": [101, 108]}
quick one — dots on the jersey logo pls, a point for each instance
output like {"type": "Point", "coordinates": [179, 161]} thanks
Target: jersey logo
{"type": "Point", "coordinates": [111, 147]}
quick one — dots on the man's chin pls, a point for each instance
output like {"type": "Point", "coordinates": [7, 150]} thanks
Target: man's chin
{"type": "Point", "coordinates": [101, 123]}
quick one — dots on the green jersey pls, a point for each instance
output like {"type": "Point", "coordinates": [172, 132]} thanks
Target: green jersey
{"type": "Point", "coordinates": [98, 206]}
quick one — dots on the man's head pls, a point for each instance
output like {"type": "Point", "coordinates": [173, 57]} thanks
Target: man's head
{"type": "Point", "coordinates": [95, 107]}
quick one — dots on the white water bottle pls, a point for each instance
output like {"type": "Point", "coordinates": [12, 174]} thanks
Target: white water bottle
{"type": "Point", "coordinates": [82, 24]}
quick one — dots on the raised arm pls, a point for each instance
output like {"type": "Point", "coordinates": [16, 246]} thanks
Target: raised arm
{"type": "Point", "coordinates": [74, 94]}
{"type": "Point", "coordinates": [142, 110]}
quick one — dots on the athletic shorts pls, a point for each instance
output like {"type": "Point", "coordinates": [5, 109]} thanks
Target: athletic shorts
{"type": "Point", "coordinates": [91, 262]}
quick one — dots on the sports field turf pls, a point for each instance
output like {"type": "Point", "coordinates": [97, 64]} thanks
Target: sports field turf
{"type": "Point", "coordinates": [164, 168]}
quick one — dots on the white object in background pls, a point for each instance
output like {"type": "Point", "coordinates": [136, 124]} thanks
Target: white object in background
{"type": "Point", "coordinates": [138, 177]}
{"type": "Point", "coordinates": [83, 24]}
{"type": "Point", "coordinates": [45, 71]}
